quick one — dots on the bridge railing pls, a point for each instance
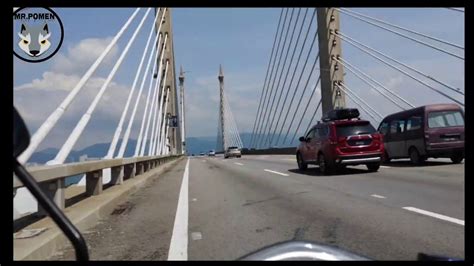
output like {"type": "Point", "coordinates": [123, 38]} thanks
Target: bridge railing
{"type": "Point", "coordinates": [52, 177]}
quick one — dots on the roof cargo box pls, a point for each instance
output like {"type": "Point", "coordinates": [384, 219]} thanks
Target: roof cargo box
{"type": "Point", "coordinates": [345, 113]}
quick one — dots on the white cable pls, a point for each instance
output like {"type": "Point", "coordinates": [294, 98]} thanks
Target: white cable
{"type": "Point", "coordinates": [151, 150]}
{"type": "Point", "coordinates": [160, 112]}
{"type": "Point", "coordinates": [126, 137]}
{"type": "Point", "coordinates": [357, 102]}
{"type": "Point", "coordinates": [164, 122]}
{"type": "Point", "coordinates": [76, 133]}
{"type": "Point", "coordinates": [363, 79]}
{"type": "Point", "coordinates": [118, 130]}
{"type": "Point", "coordinates": [53, 118]}
{"type": "Point", "coordinates": [397, 68]}
{"type": "Point", "coordinates": [402, 28]}
{"type": "Point", "coordinates": [147, 127]}
{"type": "Point", "coordinates": [457, 90]}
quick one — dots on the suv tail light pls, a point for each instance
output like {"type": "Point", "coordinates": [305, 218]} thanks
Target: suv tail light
{"type": "Point", "coordinates": [341, 140]}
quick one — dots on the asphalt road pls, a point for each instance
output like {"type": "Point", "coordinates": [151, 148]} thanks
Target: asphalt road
{"type": "Point", "coordinates": [229, 208]}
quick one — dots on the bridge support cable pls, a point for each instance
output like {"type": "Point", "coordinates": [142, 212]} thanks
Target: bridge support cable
{"type": "Point", "coordinates": [306, 109]}
{"type": "Point", "coordinates": [457, 90]}
{"type": "Point", "coordinates": [265, 81]}
{"type": "Point", "coordinates": [233, 124]}
{"type": "Point", "coordinates": [118, 130]}
{"type": "Point", "coordinates": [153, 56]}
{"type": "Point", "coordinates": [302, 94]}
{"type": "Point", "coordinates": [359, 102]}
{"type": "Point", "coordinates": [76, 133]}
{"type": "Point", "coordinates": [401, 28]}
{"type": "Point", "coordinates": [266, 119]}
{"type": "Point", "coordinates": [162, 112]}
{"type": "Point", "coordinates": [402, 35]}
{"type": "Point", "coordinates": [312, 117]}
{"type": "Point", "coordinates": [123, 144]}
{"type": "Point", "coordinates": [156, 145]}
{"type": "Point", "coordinates": [53, 118]}
{"type": "Point", "coordinates": [270, 89]}
{"type": "Point", "coordinates": [145, 139]}
{"type": "Point", "coordinates": [159, 93]}
{"type": "Point", "coordinates": [301, 74]}
{"type": "Point", "coordinates": [279, 89]}
{"type": "Point", "coordinates": [291, 80]}
{"type": "Point", "coordinates": [352, 69]}
{"type": "Point", "coordinates": [396, 68]}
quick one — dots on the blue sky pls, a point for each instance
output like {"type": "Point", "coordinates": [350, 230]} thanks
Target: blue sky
{"type": "Point", "coordinates": [238, 38]}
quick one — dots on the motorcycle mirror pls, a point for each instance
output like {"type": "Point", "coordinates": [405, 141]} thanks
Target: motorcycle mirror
{"type": "Point", "coordinates": [21, 136]}
{"type": "Point", "coordinates": [302, 139]}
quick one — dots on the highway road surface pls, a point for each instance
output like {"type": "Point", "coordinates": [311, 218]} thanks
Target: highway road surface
{"type": "Point", "coordinates": [211, 208]}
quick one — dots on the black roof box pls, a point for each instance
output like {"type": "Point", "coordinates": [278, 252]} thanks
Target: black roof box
{"type": "Point", "coordinates": [344, 113]}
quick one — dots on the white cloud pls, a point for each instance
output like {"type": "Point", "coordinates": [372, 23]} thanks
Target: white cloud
{"type": "Point", "coordinates": [37, 99]}
{"type": "Point", "coordinates": [81, 56]}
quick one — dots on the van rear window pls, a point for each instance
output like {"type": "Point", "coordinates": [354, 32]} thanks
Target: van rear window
{"type": "Point", "coordinates": [354, 129]}
{"type": "Point", "coordinates": [445, 119]}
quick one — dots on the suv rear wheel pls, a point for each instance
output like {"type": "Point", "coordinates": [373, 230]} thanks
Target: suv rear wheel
{"type": "Point", "coordinates": [373, 167]}
{"type": "Point", "coordinates": [301, 164]}
{"type": "Point", "coordinates": [324, 166]}
{"type": "Point", "coordinates": [457, 158]}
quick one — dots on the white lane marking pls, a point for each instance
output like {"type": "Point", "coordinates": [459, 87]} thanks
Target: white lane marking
{"type": "Point", "coordinates": [194, 199]}
{"type": "Point", "coordinates": [294, 160]}
{"type": "Point", "coordinates": [377, 196]}
{"type": "Point", "coordinates": [203, 161]}
{"type": "Point", "coordinates": [275, 172]}
{"type": "Point", "coordinates": [435, 215]}
{"type": "Point", "coordinates": [239, 163]}
{"type": "Point", "coordinates": [196, 236]}
{"type": "Point", "coordinates": [179, 239]}
{"type": "Point", "coordinates": [383, 166]}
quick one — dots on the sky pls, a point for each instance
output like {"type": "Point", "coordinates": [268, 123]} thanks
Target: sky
{"type": "Point", "coordinates": [241, 40]}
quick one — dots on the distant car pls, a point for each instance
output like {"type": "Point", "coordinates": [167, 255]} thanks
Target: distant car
{"type": "Point", "coordinates": [232, 152]}
{"type": "Point", "coordinates": [341, 139]}
{"type": "Point", "coordinates": [435, 130]}
{"type": "Point", "coordinates": [192, 154]}
{"type": "Point", "coordinates": [202, 154]}
{"type": "Point", "coordinates": [212, 153]}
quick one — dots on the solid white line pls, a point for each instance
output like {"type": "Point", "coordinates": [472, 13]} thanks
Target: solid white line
{"type": "Point", "coordinates": [179, 239]}
{"type": "Point", "coordinates": [377, 196]}
{"type": "Point", "coordinates": [239, 163]}
{"type": "Point", "coordinates": [435, 215]}
{"type": "Point", "coordinates": [383, 166]}
{"type": "Point", "coordinates": [289, 159]}
{"type": "Point", "coordinates": [275, 172]}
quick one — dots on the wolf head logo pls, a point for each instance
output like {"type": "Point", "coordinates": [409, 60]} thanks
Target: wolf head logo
{"type": "Point", "coordinates": [34, 40]}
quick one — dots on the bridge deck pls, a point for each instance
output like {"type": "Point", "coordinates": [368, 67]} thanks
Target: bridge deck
{"type": "Point", "coordinates": [239, 205]}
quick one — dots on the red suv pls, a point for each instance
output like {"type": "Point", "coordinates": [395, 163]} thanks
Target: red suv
{"type": "Point", "coordinates": [341, 139]}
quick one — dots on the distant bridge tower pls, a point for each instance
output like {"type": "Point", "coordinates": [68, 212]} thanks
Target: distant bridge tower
{"type": "Point", "coordinates": [227, 132]}
{"type": "Point", "coordinates": [221, 145]}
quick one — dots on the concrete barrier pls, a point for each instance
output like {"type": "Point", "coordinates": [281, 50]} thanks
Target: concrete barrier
{"type": "Point", "coordinates": [84, 215]}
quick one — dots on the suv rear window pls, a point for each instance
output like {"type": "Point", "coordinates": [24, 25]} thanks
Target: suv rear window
{"type": "Point", "coordinates": [354, 129]}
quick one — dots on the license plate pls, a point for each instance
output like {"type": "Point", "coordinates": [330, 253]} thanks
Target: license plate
{"type": "Point", "coordinates": [358, 143]}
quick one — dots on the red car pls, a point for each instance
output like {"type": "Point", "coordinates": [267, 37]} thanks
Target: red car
{"type": "Point", "coordinates": [340, 140]}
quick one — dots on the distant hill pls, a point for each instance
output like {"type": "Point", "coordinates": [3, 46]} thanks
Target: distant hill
{"type": "Point", "coordinates": [194, 145]}
{"type": "Point", "coordinates": [98, 150]}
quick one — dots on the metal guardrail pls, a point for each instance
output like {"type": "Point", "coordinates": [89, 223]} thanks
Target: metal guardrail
{"type": "Point", "coordinates": [52, 177]}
